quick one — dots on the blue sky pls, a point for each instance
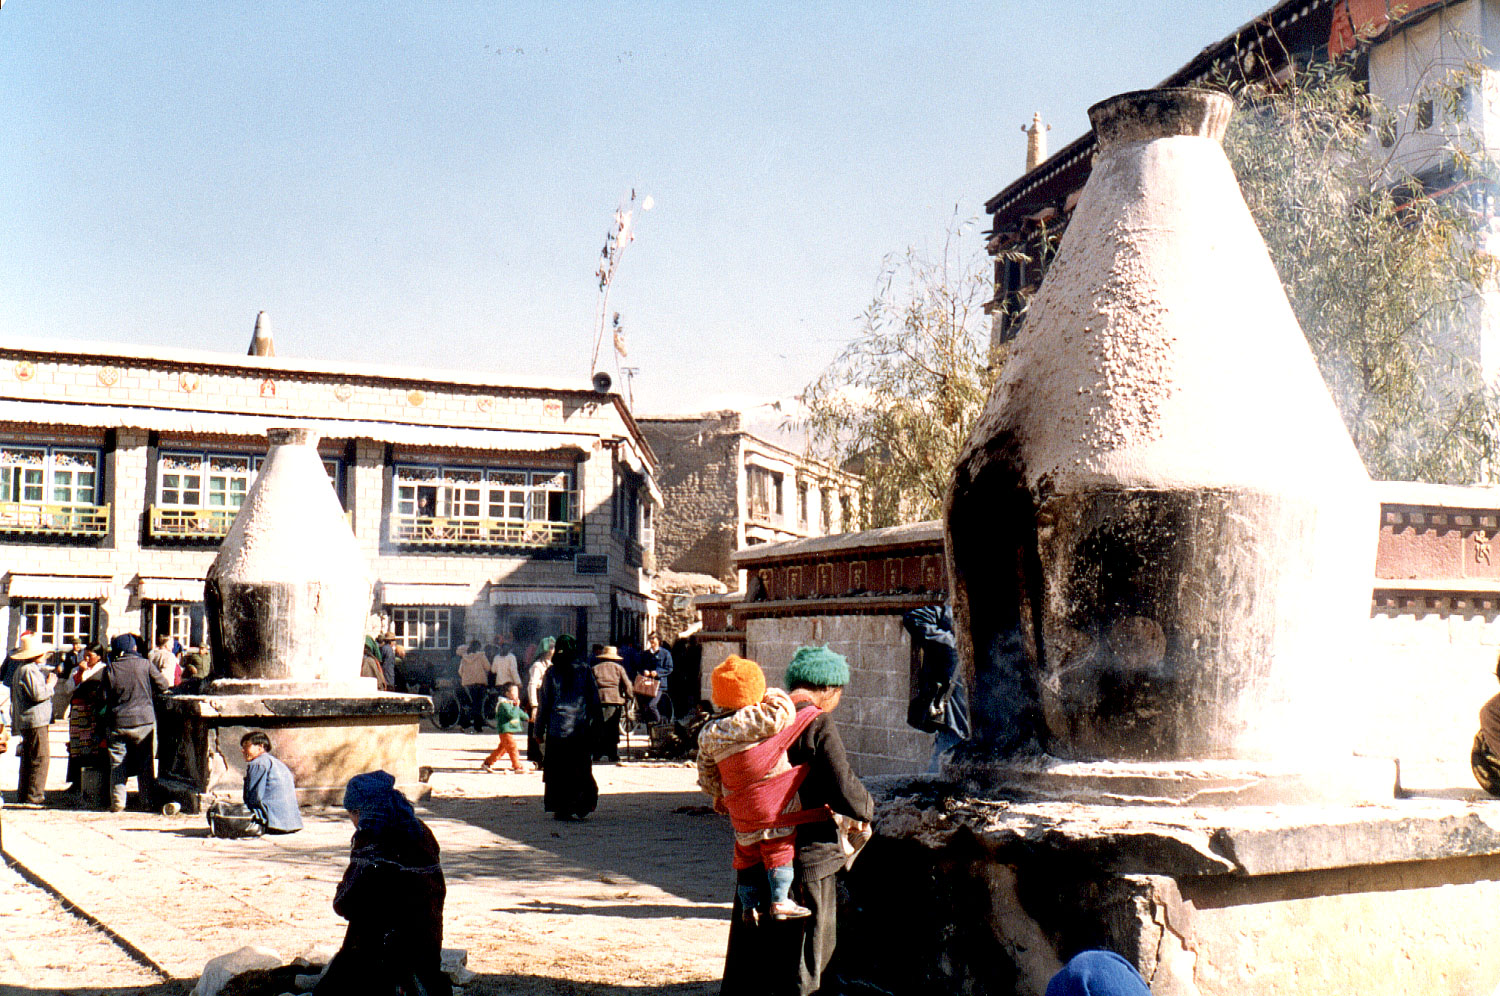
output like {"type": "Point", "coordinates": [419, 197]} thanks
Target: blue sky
{"type": "Point", "coordinates": [432, 182]}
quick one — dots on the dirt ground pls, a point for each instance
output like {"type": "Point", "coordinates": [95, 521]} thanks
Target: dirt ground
{"type": "Point", "coordinates": [636, 900]}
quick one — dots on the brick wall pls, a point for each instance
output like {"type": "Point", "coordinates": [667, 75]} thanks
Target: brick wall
{"type": "Point", "coordinates": [872, 715]}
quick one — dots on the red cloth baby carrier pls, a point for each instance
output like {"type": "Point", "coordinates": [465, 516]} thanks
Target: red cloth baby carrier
{"type": "Point", "coordinates": [755, 801]}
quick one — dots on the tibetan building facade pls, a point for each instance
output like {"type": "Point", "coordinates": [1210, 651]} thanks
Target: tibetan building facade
{"type": "Point", "coordinates": [728, 489]}
{"type": "Point", "coordinates": [488, 509]}
{"type": "Point", "coordinates": [1396, 49]}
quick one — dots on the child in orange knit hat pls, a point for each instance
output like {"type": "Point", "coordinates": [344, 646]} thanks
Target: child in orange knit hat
{"type": "Point", "coordinates": [759, 714]}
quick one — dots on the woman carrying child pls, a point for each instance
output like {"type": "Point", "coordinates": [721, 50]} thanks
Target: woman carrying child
{"type": "Point", "coordinates": [781, 957]}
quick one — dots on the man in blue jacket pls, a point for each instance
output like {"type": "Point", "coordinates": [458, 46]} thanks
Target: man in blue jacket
{"type": "Point", "coordinates": [655, 661]}
{"type": "Point", "coordinates": [270, 792]}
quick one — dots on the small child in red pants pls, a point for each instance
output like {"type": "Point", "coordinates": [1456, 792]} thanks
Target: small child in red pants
{"type": "Point", "coordinates": [511, 720]}
{"type": "Point", "coordinates": [725, 746]}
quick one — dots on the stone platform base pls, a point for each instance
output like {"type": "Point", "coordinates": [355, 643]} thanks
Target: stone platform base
{"type": "Point", "coordinates": [324, 739]}
{"type": "Point", "coordinates": [1348, 781]}
{"type": "Point", "coordinates": [984, 896]}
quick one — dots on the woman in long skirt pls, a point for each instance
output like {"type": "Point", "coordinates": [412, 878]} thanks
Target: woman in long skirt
{"type": "Point", "coordinates": [85, 717]}
{"type": "Point", "coordinates": [567, 712]}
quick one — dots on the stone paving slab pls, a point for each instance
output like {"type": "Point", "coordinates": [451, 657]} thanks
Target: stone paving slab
{"type": "Point", "coordinates": [44, 948]}
{"type": "Point", "coordinates": [636, 898]}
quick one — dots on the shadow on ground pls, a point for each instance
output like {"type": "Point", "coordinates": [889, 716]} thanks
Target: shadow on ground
{"type": "Point", "coordinates": [480, 985]}
{"type": "Point", "coordinates": [633, 834]}
{"type": "Point", "coordinates": [177, 988]}
{"type": "Point", "coordinates": [632, 837]}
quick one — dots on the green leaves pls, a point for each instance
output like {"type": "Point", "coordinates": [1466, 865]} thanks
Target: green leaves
{"type": "Point", "coordinates": [1382, 265]}
{"type": "Point", "coordinates": [898, 402]}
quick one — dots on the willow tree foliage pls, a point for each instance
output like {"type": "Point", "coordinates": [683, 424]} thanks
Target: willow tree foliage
{"type": "Point", "coordinates": [898, 402]}
{"type": "Point", "coordinates": [1375, 217]}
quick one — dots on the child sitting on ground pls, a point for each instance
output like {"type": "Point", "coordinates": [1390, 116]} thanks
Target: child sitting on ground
{"type": "Point", "coordinates": [756, 787]}
{"type": "Point", "coordinates": [510, 719]}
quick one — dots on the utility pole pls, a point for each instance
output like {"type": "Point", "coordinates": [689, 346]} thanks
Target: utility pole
{"type": "Point", "coordinates": [630, 373]}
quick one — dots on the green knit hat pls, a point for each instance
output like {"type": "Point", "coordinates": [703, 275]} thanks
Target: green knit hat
{"type": "Point", "coordinates": [819, 667]}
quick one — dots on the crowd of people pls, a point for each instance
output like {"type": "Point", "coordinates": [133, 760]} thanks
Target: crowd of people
{"type": "Point", "coordinates": [108, 700]}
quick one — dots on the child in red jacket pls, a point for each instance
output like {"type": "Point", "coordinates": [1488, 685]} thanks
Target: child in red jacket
{"type": "Point", "coordinates": [743, 767]}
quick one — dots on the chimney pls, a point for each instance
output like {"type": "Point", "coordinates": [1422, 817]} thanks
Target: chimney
{"type": "Point", "coordinates": [261, 343]}
{"type": "Point", "coordinates": [1036, 141]}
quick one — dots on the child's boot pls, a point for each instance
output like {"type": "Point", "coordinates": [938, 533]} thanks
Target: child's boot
{"type": "Point", "coordinates": [782, 906]}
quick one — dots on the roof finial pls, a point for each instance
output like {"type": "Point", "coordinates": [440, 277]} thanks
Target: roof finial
{"type": "Point", "coordinates": [1036, 141]}
{"type": "Point", "coordinates": [261, 343]}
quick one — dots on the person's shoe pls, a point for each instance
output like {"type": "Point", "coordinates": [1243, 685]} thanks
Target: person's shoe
{"type": "Point", "coordinates": [171, 809]}
{"type": "Point", "coordinates": [487, 769]}
{"type": "Point", "coordinates": [749, 916]}
{"type": "Point", "coordinates": [788, 910]}
{"type": "Point", "coordinates": [117, 807]}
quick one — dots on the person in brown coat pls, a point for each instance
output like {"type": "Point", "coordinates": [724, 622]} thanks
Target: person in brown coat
{"type": "Point", "coordinates": [614, 692]}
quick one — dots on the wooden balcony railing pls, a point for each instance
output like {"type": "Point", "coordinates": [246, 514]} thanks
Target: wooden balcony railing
{"type": "Point", "coordinates": [190, 523]}
{"type": "Point", "coordinates": [54, 520]}
{"type": "Point", "coordinates": [439, 530]}
{"type": "Point", "coordinates": [198, 523]}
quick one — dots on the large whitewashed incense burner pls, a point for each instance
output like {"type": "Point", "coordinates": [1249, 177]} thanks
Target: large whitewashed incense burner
{"type": "Point", "coordinates": [289, 594]}
{"type": "Point", "coordinates": [1160, 533]}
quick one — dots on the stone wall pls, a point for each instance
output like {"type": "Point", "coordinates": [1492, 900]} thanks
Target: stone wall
{"type": "Point", "coordinates": [698, 529]}
{"type": "Point", "coordinates": [675, 593]}
{"type": "Point", "coordinates": [705, 461]}
{"type": "Point", "coordinates": [872, 716]}
{"type": "Point", "coordinates": [1210, 901]}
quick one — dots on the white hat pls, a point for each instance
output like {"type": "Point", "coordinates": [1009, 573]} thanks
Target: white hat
{"type": "Point", "coordinates": [30, 648]}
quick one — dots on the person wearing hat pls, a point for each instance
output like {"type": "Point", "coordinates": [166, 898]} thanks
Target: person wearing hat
{"type": "Point", "coordinates": [614, 692]}
{"type": "Point", "coordinates": [370, 666]}
{"type": "Point", "coordinates": [743, 767]}
{"type": "Point", "coordinates": [389, 654]}
{"type": "Point", "coordinates": [1097, 972]}
{"type": "Point", "coordinates": [392, 894]}
{"type": "Point", "coordinates": [197, 662]}
{"type": "Point", "coordinates": [9, 666]}
{"type": "Point", "coordinates": [793, 957]}
{"type": "Point", "coordinates": [31, 712]}
{"type": "Point", "coordinates": [131, 684]}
